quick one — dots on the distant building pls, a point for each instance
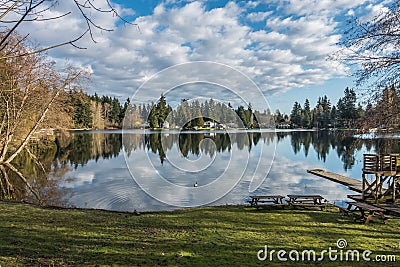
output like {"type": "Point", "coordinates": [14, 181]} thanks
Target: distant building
{"type": "Point", "coordinates": [165, 125]}
{"type": "Point", "coordinates": [221, 126]}
{"type": "Point", "coordinates": [210, 124]}
{"type": "Point", "coordinates": [283, 125]}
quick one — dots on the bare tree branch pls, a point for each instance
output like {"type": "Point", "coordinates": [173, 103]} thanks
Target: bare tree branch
{"type": "Point", "coordinates": [34, 10]}
{"type": "Point", "coordinates": [8, 188]}
{"type": "Point", "coordinates": [9, 9]}
{"type": "Point", "coordinates": [373, 47]}
{"type": "Point", "coordinates": [23, 178]}
{"type": "Point", "coordinates": [39, 121]}
{"type": "Point", "coordinates": [37, 161]}
{"type": "Point", "coordinates": [46, 48]}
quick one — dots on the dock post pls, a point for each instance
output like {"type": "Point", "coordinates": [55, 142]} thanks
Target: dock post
{"type": "Point", "coordinates": [363, 186]}
{"type": "Point", "coordinates": [378, 186]}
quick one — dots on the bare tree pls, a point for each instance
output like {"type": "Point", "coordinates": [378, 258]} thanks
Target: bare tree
{"type": "Point", "coordinates": [29, 87]}
{"type": "Point", "coordinates": [373, 48]}
{"type": "Point", "coordinates": [15, 12]}
{"type": "Point", "coordinates": [29, 83]}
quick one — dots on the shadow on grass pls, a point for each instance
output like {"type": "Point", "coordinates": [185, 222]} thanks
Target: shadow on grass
{"type": "Point", "coordinates": [227, 235]}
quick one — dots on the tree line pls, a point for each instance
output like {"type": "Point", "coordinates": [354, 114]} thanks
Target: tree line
{"type": "Point", "coordinates": [195, 114]}
{"type": "Point", "coordinates": [77, 109]}
{"type": "Point", "coordinates": [106, 112]}
{"type": "Point", "coordinates": [381, 113]}
{"type": "Point", "coordinates": [345, 113]}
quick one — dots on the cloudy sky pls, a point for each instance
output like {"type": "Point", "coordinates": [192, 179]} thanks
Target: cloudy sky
{"type": "Point", "coordinates": [281, 45]}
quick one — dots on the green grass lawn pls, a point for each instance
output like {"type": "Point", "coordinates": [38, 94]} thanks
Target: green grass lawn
{"type": "Point", "coordinates": [210, 236]}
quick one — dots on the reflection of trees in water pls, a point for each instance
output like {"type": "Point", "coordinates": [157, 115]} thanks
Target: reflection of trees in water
{"type": "Point", "coordinates": [34, 179]}
{"type": "Point", "coordinates": [386, 145]}
{"type": "Point", "coordinates": [345, 145]}
{"type": "Point", "coordinates": [84, 147]}
{"type": "Point", "coordinates": [45, 173]}
{"type": "Point", "coordinates": [323, 142]}
{"type": "Point", "coordinates": [37, 179]}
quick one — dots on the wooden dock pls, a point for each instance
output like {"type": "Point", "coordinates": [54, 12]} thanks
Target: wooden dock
{"type": "Point", "coordinates": [351, 183]}
{"type": "Point", "coordinates": [392, 209]}
{"type": "Point", "coordinates": [355, 185]}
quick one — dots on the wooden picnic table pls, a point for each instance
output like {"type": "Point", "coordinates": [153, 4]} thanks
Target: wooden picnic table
{"type": "Point", "coordinates": [305, 201]}
{"type": "Point", "coordinates": [271, 200]}
{"type": "Point", "coordinates": [364, 212]}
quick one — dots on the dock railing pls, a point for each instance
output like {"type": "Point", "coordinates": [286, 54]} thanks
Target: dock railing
{"type": "Point", "coordinates": [385, 180]}
{"type": "Point", "coordinates": [374, 163]}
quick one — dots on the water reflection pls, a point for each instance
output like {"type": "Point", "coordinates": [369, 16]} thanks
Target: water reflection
{"type": "Point", "coordinates": [83, 147]}
{"type": "Point", "coordinates": [88, 169]}
{"type": "Point", "coordinates": [35, 179]}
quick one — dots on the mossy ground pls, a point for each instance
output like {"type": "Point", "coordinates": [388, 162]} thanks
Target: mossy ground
{"type": "Point", "coordinates": [210, 236]}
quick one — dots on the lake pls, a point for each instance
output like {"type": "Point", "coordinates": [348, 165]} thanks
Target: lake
{"type": "Point", "coordinates": [150, 171]}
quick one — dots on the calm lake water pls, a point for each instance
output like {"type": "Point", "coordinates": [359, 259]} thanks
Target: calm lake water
{"type": "Point", "coordinates": [117, 170]}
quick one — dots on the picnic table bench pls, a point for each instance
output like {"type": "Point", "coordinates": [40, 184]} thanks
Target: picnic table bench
{"type": "Point", "coordinates": [272, 200]}
{"type": "Point", "coordinates": [364, 212]}
{"type": "Point", "coordinates": [306, 201]}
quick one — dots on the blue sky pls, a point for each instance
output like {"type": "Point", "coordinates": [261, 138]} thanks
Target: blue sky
{"type": "Point", "coordinates": [281, 45]}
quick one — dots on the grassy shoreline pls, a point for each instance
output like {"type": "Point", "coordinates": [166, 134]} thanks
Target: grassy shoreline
{"type": "Point", "coordinates": [209, 236]}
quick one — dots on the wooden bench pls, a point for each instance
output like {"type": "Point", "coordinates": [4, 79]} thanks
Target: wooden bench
{"type": "Point", "coordinates": [272, 200]}
{"type": "Point", "coordinates": [306, 201]}
{"type": "Point", "coordinates": [364, 212]}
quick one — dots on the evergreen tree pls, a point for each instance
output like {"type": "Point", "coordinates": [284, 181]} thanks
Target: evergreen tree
{"type": "Point", "coordinates": [347, 107]}
{"type": "Point", "coordinates": [322, 112]}
{"type": "Point", "coordinates": [278, 117]}
{"type": "Point", "coordinates": [198, 120]}
{"type": "Point", "coordinates": [82, 112]}
{"type": "Point", "coordinates": [242, 117]}
{"type": "Point", "coordinates": [295, 115]}
{"type": "Point", "coordinates": [360, 111]}
{"type": "Point", "coordinates": [334, 116]}
{"type": "Point", "coordinates": [388, 108]}
{"type": "Point", "coordinates": [153, 117]}
{"type": "Point", "coordinates": [249, 116]}
{"type": "Point", "coordinates": [115, 116]}
{"type": "Point", "coordinates": [162, 110]}
{"type": "Point", "coordinates": [306, 118]}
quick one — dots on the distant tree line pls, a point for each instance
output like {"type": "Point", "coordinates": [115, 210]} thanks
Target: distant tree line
{"type": "Point", "coordinates": [346, 113]}
{"type": "Point", "coordinates": [105, 112]}
{"type": "Point", "coordinates": [382, 113]}
{"type": "Point", "coordinates": [196, 114]}
{"type": "Point", "coordinates": [94, 111]}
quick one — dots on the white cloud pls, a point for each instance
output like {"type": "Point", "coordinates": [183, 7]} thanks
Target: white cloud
{"type": "Point", "coordinates": [290, 52]}
{"type": "Point", "coordinates": [318, 7]}
{"type": "Point", "coordinates": [374, 10]}
{"type": "Point", "coordinates": [258, 16]}
{"type": "Point", "coordinates": [252, 4]}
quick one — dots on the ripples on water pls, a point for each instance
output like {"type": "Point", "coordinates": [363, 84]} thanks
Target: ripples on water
{"type": "Point", "coordinates": [90, 168]}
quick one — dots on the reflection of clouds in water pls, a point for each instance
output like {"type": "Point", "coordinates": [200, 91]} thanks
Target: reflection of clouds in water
{"type": "Point", "coordinates": [113, 188]}
{"type": "Point", "coordinates": [76, 179]}
{"type": "Point", "coordinates": [175, 186]}
{"type": "Point", "coordinates": [289, 177]}
{"type": "Point", "coordinates": [107, 183]}
{"type": "Point", "coordinates": [171, 184]}
{"type": "Point", "coordinates": [192, 162]}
